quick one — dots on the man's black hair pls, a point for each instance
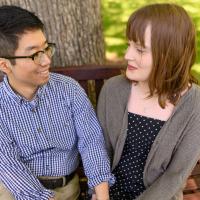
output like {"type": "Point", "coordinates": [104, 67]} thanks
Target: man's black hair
{"type": "Point", "coordinates": [14, 21]}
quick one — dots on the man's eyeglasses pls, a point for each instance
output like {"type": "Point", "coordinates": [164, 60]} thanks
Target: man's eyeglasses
{"type": "Point", "coordinates": [38, 56]}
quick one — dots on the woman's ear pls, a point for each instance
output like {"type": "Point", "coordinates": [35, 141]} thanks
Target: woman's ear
{"type": "Point", "coordinates": [5, 66]}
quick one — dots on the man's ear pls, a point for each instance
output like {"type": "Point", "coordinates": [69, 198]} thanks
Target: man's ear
{"type": "Point", "coordinates": [5, 66]}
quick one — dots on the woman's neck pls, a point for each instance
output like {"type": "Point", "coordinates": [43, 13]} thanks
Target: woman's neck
{"type": "Point", "coordinates": [140, 103]}
{"type": "Point", "coordinates": [142, 89]}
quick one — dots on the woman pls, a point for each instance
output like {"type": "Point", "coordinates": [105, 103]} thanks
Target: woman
{"type": "Point", "coordinates": [151, 116]}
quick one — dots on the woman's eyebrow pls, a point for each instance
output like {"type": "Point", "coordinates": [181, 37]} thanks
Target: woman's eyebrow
{"type": "Point", "coordinates": [144, 47]}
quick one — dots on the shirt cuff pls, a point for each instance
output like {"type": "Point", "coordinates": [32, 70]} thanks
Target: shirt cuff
{"type": "Point", "coordinates": [103, 178]}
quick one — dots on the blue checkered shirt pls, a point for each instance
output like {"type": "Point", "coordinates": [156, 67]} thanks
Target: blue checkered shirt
{"type": "Point", "coordinates": [44, 137]}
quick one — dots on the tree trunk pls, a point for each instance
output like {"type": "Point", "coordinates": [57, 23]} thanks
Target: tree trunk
{"type": "Point", "coordinates": [74, 25]}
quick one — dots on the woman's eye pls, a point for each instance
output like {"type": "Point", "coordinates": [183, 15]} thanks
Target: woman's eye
{"type": "Point", "coordinates": [140, 50]}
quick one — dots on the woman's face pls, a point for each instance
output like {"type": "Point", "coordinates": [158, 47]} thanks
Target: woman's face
{"type": "Point", "coordinates": [139, 59]}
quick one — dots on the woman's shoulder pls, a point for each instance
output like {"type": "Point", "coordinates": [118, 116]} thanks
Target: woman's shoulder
{"type": "Point", "coordinates": [196, 89]}
{"type": "Point", "coordinates": [195, 96]}
{"type": "Point", "coordinates": [119, 81]}
{"type": "Point", "coordinates": [116, 89]}
{"type": "Point", "coordinates": [191, 99]}
{"type": "Point", "coordinates": [194, 93]}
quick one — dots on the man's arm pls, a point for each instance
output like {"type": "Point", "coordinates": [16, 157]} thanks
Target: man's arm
{"type": "Point", "coordinates": [91, 145]}
{"type": "Point", "coordinates": [17, 178]}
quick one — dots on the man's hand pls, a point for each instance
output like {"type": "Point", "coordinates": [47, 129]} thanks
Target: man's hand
{"type": "Point", "coordinates": [102, 191]}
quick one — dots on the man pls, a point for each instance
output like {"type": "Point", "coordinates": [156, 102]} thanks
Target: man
{"type": "Point", "coordinates": [46, 120]}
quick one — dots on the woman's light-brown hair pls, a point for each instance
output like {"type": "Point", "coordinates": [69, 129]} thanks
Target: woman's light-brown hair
{"type": "Point", "coordinates": [173, 48]}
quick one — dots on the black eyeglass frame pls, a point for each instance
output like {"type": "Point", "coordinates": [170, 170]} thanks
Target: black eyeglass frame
{"type": "Point", "coordinates": [33, 55]}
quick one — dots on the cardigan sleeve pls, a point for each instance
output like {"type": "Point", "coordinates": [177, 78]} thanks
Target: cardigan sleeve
{"type": "Point", "coordinates": [182, 162]}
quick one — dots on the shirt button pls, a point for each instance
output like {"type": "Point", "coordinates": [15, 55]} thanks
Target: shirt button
{"type": "Point", "coordinates": [39, 130]}
{"type": "Point", "coordinates": [33, 110]}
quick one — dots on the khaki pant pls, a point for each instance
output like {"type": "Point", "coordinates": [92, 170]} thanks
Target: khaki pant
{"type": "Point", "coordinates": [4, 193]}
{"type": "Point", "coordinates": [70, 192]}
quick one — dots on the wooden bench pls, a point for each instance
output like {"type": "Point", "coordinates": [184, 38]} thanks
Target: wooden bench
{"type": "Point", "coordinates": [87, 74]}
{"type": "Point", "coordinates": [192, 188]}
{"type": "Point", "coordinates": [84, 75]}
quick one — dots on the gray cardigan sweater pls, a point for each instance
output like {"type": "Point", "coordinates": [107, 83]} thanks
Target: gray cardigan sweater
{"type": "Point", "coordinates": [175, 150]}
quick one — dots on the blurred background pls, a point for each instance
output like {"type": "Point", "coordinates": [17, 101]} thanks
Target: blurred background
{"type": "Point", "coordinates": [115, 14]}
{"type": "Point", "coordinates": [92, 32]}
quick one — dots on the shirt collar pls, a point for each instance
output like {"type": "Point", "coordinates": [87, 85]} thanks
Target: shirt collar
{"type": "Point", "coordinates": [17, 97]}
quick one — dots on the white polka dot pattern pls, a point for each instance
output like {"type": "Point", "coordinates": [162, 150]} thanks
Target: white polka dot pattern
{"type": "Point", "coordinates": [141, 134]}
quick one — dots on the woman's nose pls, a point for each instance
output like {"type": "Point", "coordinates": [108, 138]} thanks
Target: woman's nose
{"type": "Point", "coordinates": [129, 55]}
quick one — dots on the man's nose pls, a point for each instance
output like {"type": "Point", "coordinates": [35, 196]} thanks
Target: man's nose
{"type": "Point", "coordinates": [46, 60]}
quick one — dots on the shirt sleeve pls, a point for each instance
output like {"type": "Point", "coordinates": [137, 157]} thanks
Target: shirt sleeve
{"type": "Point", "coordinates": [91, 142]}
{"type": "Point", "coordinates": [15, 176]}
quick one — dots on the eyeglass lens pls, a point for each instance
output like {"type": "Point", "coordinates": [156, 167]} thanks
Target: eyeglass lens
{"type": "Point", "coordinates": [49, 51]}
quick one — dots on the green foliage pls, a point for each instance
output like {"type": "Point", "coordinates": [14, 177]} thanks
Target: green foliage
{"type": "Point", "coordinates": [196, 72]}
{"type": "Point", "coordinates": [115, 14]}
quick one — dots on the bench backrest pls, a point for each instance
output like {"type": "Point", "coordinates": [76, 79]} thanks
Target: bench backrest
{"type": "Point", "coordinates": [95, 73]}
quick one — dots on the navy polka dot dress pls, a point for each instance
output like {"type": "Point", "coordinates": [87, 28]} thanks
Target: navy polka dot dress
{"type": "Point", "coordinates": [141, 134]}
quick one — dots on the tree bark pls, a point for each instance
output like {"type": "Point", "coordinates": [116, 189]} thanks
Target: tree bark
{"type": "Point", "coordinates": [74, 25]}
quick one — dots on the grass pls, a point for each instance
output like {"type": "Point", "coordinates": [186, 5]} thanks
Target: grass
{"type": "Point", "coordinates": [115, 14]}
